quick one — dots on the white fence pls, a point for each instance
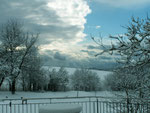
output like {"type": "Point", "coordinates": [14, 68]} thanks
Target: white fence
{"type": "Point", "coordinates": [89, 105]}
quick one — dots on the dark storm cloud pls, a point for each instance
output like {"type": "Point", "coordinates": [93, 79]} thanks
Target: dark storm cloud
{"type": "Point", "coordinates": [49, 52]}
{"type": "Point", "coordinates": [98, 47]}
{"type": "Point", "coordinates": [48, 33]}
{"type": "Point", "coordinates": [58, 59]}
{"type": "Point", "coordinates": [90, 53]}
{"type": "Point", "coordinates": [59, 56]}
{"type": "Point", "coordinates": [104, 57]}
{"type": "Point", "coordinates": [93, 47]}
{"type": "Point", "coordinates": [18, 8]}
{"type": "Point", "coordinates": [28, 12]}
{"type": "Point", "coordinates": [38, 17]}
{"type": "Point", "coordinates": [107, 58]}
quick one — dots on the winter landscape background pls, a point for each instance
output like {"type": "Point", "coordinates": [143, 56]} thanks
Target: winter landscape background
{"type": "Point", "coordinates": [95, 53]}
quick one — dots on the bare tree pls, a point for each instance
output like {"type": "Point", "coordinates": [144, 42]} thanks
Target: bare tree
{"type": "Point", "coordinates": [134, 45]}
{"type": "Point", "coordinates": [16, 44]}
{"type": "Point", "coordinates": [134, 49]}
{"type": "Point", "coordinates": [32, 72]}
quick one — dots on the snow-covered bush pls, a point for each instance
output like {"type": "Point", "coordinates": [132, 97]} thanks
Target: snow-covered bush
{"type": "Point", "coordinates": [121, 80]}
{"type": "Point", "coordinates": [133, 83]}
{"type": "Point", "coordinates": [85, 80]}
{"type": "Point", "coordinates": [58, 80]}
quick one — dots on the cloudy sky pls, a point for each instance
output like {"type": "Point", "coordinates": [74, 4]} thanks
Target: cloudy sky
{"type": "Point", "coordinates": [66, 26]}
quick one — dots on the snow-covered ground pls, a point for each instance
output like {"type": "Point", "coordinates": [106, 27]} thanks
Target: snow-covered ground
{"type": "Point", "coordinates": [44, 97]}
{"type": "Point", "coordinates": [18, 95]}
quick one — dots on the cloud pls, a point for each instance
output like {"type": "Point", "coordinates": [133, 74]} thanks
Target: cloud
{"type": "Point", "coordinates": [93, 27]}
{"type": "Point", "coordinates": [124, 3]}
{"type": "Point", "coordinates": [97, 27]}
{"type": "Point", "coordinates": [59, 56]}
{"type": "Point", "coordinates": [104, 47]}
{"type": "Point", "coordinates": [90, 53]}
{"type": "Point", "coordinates": [59, 22]}
{"type": "Point", "coordinates": [106, 58]}
{"type": "Point", "coordinates": [93, 47]}
{"type": "Point", "coordinates": [101, 62]}
{"type": "Point", "coordinates": [61, 27]}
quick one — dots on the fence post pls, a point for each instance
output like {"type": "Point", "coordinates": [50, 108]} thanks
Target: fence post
{"type": "Point", "coordinates": [50, 100]}
{"type": "Point", "coordinates": [10, 104]}
{"type": "Point", "coordinates": [97, 105]}
{"type": "Point", "coordinates": [22, 100]}
{"type": "Point", "coordinates": [89, 104]}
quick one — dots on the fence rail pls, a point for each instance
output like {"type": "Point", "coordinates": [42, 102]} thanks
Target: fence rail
{"type": "Point", "coordinates": [89, 105]}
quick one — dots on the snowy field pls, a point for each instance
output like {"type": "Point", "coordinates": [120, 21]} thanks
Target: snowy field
{"type": "Point", "coordinates": [18, 95]}
{"type": "Point", "coordinates": [45, 97]}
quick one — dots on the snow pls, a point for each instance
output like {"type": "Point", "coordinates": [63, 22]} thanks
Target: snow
{"type": "Point", "coordinates": [60, 108]}
{"type": "Point", "coordinates": [39, 97]}
{"type": "Point", "coordinates": [18, 95]}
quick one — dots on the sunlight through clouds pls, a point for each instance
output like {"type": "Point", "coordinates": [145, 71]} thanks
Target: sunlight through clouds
{"type": "Point", "coordinates": [70, 13]}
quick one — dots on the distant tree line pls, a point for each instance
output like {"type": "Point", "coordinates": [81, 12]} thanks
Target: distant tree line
{"type": "Point", "coordinates": [53, 80]}
{"type": "Point", "coordinates": [80, 80]}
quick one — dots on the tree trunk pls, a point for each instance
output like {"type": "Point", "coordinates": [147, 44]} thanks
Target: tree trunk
{"type": "Point", "coordinates": [10, 86]}
{"type": "Point", "coordinates": [13, 86]}
{"type": "Point", "coordinates": [2, 80]}
{"type": "Point", "coordinates": [127, 100]}
{"type": "Point", "coordinates": [23, 84]}
{"type": "Point", "coordinates": [23, 87]}
{"type": "Point", "coordinates": [29, 87]}
{"type": "Point", "coordinates": [34, 87]}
